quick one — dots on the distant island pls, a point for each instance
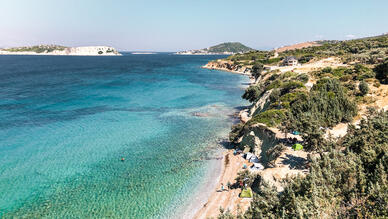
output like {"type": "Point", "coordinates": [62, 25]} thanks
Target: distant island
{"type": "Point", "coordinates": [229, 48]}
{"type": "Point", "coordinates": [61, 50]}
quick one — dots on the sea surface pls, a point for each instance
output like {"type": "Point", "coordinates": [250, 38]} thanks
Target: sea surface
{"type": "Point", "coordinates": [66, 122]}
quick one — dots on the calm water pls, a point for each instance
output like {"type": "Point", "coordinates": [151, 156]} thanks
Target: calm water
{"type": "Point", "coordinates": [65, 122]}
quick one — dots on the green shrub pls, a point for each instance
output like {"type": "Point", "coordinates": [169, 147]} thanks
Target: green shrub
{"type": "Point", "coordinates": [270, 117]}
{"type": "Point", "coordinates": [252, 93]}
{"type": "Point", "coordinates": [291, 85]}
{"type": "Point", "coordinates": [363, 87]}
{"type": "Point", "coordinates": [327, 105]}
{"type": "Point", "coordinates": [304, 78]}
{"type": "Point", "coordinates": [274, 84]}
{"type": "Point", "coordinates": [236, 132]}
{"type": "Point", "coordinates": [382, 72]}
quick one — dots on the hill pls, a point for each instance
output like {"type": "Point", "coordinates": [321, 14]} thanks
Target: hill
{"type": "Point", "coordinates": [228, 48]}
{"type": "Point", "coordinates": [233, 47]}
{"type": "Point", "coordinates": [297, 46]}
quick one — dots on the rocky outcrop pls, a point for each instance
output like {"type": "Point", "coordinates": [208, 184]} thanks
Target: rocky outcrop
{"type": "Point", "coordinates": [261, 105]}
{"type": "Point", "coordinates": [259, 138]}
{"type": "Point", "coordinates": [228, 66]}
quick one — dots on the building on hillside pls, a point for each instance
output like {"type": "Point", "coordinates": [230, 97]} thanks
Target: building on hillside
{"type": "Point", "coordinates": [290, 61]}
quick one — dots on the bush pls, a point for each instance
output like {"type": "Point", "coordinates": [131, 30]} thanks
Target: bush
{"type": "Point", "coordinates": [270, 117]}
{"type": "Point", "coordinates": [252, 93]}
{"type": "Point", "coordinates": [382, 72]}
{"type": "Point", "coordinates": [274, 84]}
{"type": "Point", "coordinates": [257, 69]}
{"type": "Point", "coordinates": [304, 78]}
{"type": "Point", "coordinates": [291, 85]}
{"type": "Point", "coordinates": [274, 152]}
{"type": "Point", "coordinates": [327, 105]}
{"type": "Point", "coordinates": [363, 87]}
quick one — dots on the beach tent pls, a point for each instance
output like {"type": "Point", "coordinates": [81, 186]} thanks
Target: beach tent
{"type": "Point", "coordinates": [254, 159]}
{"type": "Point", "coordinates": [297, 147]}
{"type": "Point", "coordinates": [246, 193]}
{"type": "Point", "coordinates": [249, 155]}
{"type": "Point", "coordinates": [257, 166]}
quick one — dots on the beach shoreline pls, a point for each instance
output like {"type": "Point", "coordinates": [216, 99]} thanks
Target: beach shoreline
{"type": "Point", "coordinates": [231, 164]}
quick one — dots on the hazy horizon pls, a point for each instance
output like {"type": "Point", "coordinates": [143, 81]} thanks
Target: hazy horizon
{"type": "Point", "coordinates": [181, 25]}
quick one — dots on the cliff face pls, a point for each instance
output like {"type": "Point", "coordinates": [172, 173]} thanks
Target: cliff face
{"type": "Point", "coordinates": [88, 50]}
{"type": "Point", "coordinates": [224, 65]}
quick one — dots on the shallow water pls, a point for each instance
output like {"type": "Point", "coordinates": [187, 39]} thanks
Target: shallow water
{"type": "Point", "coordinates": [65, 123]}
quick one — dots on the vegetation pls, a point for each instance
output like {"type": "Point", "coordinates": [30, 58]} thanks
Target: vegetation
{"type": "Point", "coordinates": [349, 181]}
{"type": "Point", "coordinates": [347, 176]}
{"type": "Point", "coordinates": [365, 51]}
{"type": "Point", "coordinates": [252, 93]}
{"type": "Point", "coordinates": [326, 105]}
{"type": "Point", "coordinates": [37, 49]}
{"type": "Point", "coordinates": [271, 117]}
{"type": "Point", "coordinates": [233, 47]}
{"type": "Point", "coordinates": [274, 152]}
{"type": "Point", "coordinates": [257, 69]}
{"type": "Point", "coordinates": [382, 72]}
{"type": "Point", "coordinates": [363, 87]}
{"type": "Point", "coordinates": [341, 184]}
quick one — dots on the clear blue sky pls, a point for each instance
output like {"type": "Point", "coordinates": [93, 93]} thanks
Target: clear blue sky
{"type": "Point", "coordinates": [170, 25]}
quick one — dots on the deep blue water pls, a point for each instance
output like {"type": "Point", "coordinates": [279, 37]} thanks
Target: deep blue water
{"type": "Point", "coordinates": [65, 123]}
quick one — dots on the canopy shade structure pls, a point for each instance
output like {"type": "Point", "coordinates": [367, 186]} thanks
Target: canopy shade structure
{"type": "Point", "coordinates": [297, 147]}
{"type": "Point", "coordinates": [246, 193]}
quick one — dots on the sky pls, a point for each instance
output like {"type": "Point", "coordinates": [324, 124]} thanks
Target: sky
{"type": "Point", "coordinates": [174, 25]}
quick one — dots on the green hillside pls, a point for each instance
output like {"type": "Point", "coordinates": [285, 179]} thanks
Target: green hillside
{"type": "Point", "coordinates": [37, 49]}
{"type": "Point", "coordinates": [233, 47]}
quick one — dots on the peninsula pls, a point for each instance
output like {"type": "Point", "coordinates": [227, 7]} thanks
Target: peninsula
{"type": "Point", "coordinates": [229, 48]}
{"type": "Point", "coordinates": [61, 50]}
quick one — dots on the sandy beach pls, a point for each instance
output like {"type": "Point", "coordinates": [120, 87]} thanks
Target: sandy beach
{"type": "Point", "coordinates": [228, 199]}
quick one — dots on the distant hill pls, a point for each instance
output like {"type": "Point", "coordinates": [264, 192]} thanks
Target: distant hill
{"type": "Point", "coordinates": [298, 46]}
{"type": "Point", "coordinates": [228, 48]}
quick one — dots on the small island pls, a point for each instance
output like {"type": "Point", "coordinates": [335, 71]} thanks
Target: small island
{"type": "Point", "coordinates": [229, 48]}
{"type": "Point", "coordinates": [61, 50]}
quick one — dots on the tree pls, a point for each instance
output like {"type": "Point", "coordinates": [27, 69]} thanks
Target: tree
{"type": "Point", "coordinates": [382, 72]}
{"type": "Point", "coordinates": [363, 87]}
{"type": "Point", "coordinates": [257, 69]}
{"type": "Point", "coordinates": [252, 93]}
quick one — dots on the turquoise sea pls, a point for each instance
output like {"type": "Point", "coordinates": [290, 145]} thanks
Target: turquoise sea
{"type": "Point", "coordinates": [66, 122]}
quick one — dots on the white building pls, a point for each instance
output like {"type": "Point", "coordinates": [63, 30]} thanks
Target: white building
{"type": "Point", "coordinates": [290, 61]}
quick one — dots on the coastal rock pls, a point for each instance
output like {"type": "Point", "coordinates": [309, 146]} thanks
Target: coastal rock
{"type": "Point", "coordinates": [228, 66]}
{"type": "Point", "coordinates": [261, 105]}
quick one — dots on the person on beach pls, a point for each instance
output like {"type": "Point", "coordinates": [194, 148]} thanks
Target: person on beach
{"type": "Point", "coordinates": [228, 185]}
{"type": "Point", "coordinates": [222, 187]}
